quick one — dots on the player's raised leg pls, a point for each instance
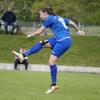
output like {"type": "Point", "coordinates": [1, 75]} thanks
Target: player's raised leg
{"type": "Point", "coordinates": [35, 48]}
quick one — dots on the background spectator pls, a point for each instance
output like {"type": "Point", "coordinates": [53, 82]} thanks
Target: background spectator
{"type": "Point", "coordinates": [17, 61]}
{"type": "Point", "coordinates": [9, 19]}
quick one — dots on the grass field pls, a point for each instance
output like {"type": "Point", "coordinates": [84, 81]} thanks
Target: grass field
{"type": "Point", "coordinates": [24, 85]}
{"type": "Point", "coordinates": [85, 51]}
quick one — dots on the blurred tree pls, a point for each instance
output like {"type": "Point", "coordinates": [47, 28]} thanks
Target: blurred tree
{"type": "Point", "coordinates": [86, 11]}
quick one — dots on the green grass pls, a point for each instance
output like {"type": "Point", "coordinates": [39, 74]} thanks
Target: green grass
{"type": "Point", "coordinates": [85, 51]}
{"type": "Point", "coordinates": [24, 85]}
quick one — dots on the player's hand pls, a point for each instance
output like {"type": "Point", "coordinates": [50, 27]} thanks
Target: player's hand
{"type": "Point", "coordinates": [81, 33]}
{"type": "Point", "coordinates": [28, 36]}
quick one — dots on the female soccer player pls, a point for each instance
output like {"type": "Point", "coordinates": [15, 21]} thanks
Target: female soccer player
{"type": "Point", "coordinates": [59, 44]}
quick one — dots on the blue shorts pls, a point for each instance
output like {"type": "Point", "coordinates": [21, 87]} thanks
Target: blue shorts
{"type": "Point", "coordinates": [59, 47]}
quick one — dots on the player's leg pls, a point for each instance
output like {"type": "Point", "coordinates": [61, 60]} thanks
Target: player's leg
{"type": "Point", "coordinates": [57, 51]}
{"type": "Point", "coordinates": [53, 69]}
{"type": "Point", "coordinates": [35, 48]}
{"type": "Point", "coordinates": [50, 42]}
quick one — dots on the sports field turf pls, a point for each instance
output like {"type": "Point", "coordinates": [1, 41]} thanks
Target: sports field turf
{"type": "Point", "coordinates": [25, 85]}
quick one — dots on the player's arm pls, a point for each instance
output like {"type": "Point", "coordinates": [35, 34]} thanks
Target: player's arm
{"type": "Point", "coordinates": [76, 27]}
{"type": "Point", "coordinates": [38, 32]}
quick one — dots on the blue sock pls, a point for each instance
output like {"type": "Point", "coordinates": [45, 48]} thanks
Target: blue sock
{"type": "Point", "coordinates": [35, 48]}
{"type": "Point", "coordinates": [53, 69]}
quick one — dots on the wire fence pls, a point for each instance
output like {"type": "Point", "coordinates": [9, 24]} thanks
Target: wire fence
{"type": "Point", "coordinates": [27, 27]}
{"type": "Point", "coordinates": [90, 30]}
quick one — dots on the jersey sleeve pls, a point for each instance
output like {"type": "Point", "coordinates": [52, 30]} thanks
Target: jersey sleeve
{"type": "Point", "coordinates": [66, 21]}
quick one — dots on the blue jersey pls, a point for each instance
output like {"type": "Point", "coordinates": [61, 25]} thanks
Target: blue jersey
{"type": "Point", "coordinates": [58, 26]}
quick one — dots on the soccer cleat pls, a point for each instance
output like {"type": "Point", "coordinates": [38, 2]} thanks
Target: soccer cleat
{"type": "Point", "coordinates": [52, 89]}
{"type": "Point", "coordinates": [19, 55]}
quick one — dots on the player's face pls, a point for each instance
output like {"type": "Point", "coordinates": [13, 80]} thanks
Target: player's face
{"type": "Point", "coordinates": [43, 15]}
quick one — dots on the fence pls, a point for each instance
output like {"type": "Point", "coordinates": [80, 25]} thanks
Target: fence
{"type": "Point", "coordinates": [90, 30]}
{"type": "Point", "coordinates": [27, 27]}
